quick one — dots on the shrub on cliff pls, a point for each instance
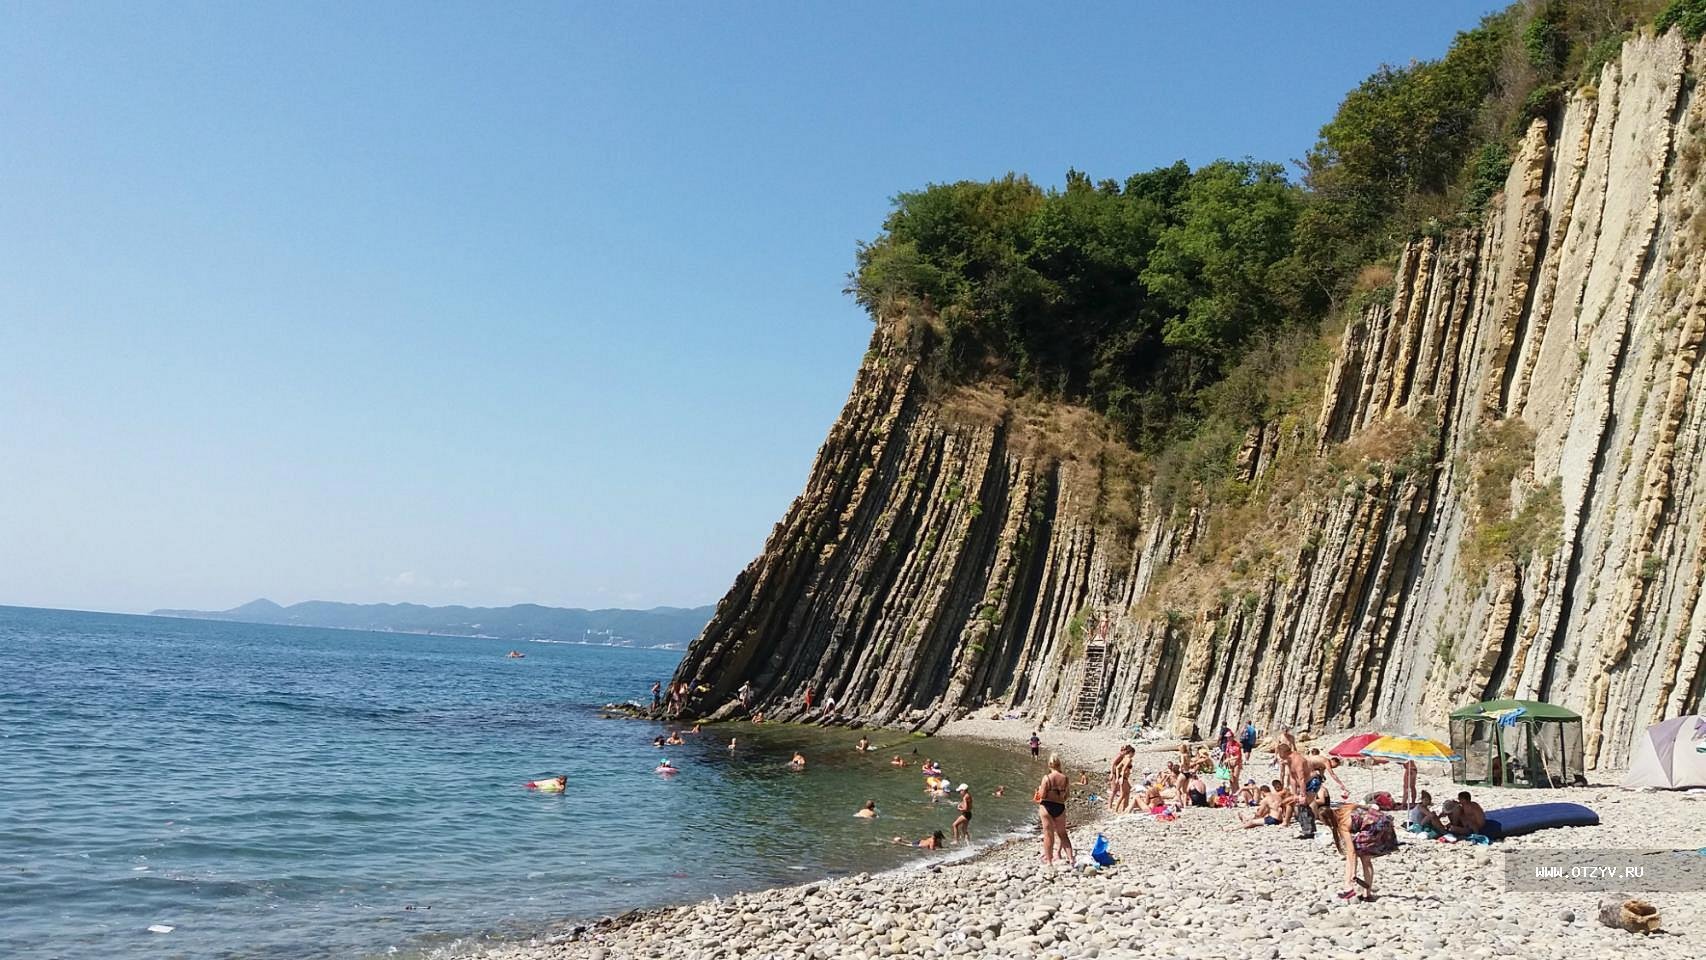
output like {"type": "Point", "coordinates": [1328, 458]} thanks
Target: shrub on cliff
{"type": "Point", "coordinates": [1136, 296]}
{"type": "Point", "coordinates": [1690, 15]}
{"type": "Point", "coordinates": [1132, 294]}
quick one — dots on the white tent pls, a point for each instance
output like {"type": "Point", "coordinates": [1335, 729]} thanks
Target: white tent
{"type": "Point", "coordinates": [1670, 756]}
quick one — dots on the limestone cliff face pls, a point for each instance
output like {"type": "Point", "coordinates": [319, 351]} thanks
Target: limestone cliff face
{"type": "Point", "coordinates": [1502, 494]}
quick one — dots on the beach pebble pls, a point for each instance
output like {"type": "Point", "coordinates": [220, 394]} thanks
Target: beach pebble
{"type": "Point", "coordinates": [1189, 889]}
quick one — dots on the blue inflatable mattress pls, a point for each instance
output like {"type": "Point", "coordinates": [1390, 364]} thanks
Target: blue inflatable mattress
{"type": "Point", "coordinates": [1516, 821]}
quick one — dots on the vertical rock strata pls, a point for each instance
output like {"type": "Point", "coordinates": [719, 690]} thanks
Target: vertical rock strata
{"type": "Point", "coordinates": [1502, 495]}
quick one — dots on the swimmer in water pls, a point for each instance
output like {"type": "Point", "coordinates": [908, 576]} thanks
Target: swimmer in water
{"type": "Point", "coordinates": [666, 768]}
{"type": "Point", "coordinates": [675, 738]}
{"type": "Point", "coordinates": [897, 761]}
{"type": "Point", "coordinates": [657, 742]}
{"type": "Point", "coordinates": [556, 784]}
{"type": "Point", "coordinates": [695, 729]}
{"type": "Point", "coordinates": [731, 744]}
{"type": "Point", "coordinates": [935, 841]}
{"type": "Point", "coordinates": [863, 745]}
{"type": "Point", "coordinates": [1001, 790]}
{"type": "Point", "coordinates": [799, 761]}
{"type": "Point", "coordinates": [868, 811]}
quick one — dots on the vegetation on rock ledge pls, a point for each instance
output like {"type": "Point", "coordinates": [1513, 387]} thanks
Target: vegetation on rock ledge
{"type": "Point", "coordinates": [1136, 297]}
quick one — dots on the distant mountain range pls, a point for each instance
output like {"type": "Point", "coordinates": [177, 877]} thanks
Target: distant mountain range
{"type": "Point", "coordinates": [658, 627]}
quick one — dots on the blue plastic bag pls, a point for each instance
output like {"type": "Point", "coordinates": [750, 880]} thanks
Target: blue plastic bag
{"type": "Point", "coordinates": [1101, 853]}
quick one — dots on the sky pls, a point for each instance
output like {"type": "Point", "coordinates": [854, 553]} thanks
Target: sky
{"type": "Point", "coordinates": [488, 304]}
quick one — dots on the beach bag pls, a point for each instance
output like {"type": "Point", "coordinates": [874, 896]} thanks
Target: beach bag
{"type": "Point", "coordinates": [1101, 852]}
{"type": "Point", "coordinates": [1383, 800]}
{"type": "Point", "coordinates": [1374, 835]}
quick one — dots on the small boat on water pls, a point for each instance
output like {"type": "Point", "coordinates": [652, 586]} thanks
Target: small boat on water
{"type": "Point", "coordinates": [515, 655]}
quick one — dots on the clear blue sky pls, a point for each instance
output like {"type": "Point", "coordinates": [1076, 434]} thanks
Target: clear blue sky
{"type": "Point", "coordinates": [460, 303]}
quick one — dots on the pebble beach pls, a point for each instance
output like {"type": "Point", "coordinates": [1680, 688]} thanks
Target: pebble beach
{"type": "Point", "coordinates": [1197, 886]}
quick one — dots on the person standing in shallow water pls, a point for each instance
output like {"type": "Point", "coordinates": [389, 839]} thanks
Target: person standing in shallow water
{"type": "Point", "coordinates": [1036, 744]}
{"type": "Point", "coordinates": [962, 823]}
{"type": "Point", "coordinates": [1051, 800]}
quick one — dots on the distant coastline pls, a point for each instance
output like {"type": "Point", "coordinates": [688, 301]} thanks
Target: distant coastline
{"type": "Point", "coordinates": [666, 628]}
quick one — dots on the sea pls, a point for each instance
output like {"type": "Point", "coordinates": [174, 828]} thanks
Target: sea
{"type": "Point", "coordinates": [203, 789]}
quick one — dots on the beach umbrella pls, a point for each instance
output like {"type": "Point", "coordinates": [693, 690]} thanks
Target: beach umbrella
{"type": "Point", "coordinates": [1350, 748]}
{"type": "Point", "coordinates": [1419, 749]}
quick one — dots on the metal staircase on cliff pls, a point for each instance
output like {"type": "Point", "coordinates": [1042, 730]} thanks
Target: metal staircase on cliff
{"type": "Point", "coordinates": [1087, 709]}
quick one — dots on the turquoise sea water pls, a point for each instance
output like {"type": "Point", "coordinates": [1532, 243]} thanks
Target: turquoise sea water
{"type": "Point", "coordinates": [285, 792]}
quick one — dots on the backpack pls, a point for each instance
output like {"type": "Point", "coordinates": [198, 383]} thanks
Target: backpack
{"type": "Point", "coordinates": [1374, 835]}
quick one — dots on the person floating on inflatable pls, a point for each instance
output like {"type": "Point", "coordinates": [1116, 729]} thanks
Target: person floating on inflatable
{"type": "Point", "coordinates": [667, 769]}
{"type": "Point", "coordinates": [557, 784]}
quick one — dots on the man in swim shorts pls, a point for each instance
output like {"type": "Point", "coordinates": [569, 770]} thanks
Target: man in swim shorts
{"type": "Point", "coordinates": [1466, 817]}
{"type": "Point", "coordinates": [1268, 812]}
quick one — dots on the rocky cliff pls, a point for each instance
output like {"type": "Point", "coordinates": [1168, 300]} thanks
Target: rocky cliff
{"type": "Point", "coordinates": [1501, 494]}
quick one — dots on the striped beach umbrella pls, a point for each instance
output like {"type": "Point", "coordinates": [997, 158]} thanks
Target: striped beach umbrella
{"type": "Point", "coordinates": [1415, 748]}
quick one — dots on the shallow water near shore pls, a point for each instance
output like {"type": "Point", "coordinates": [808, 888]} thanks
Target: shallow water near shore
{"type": "Point", "coordinates": [287, 792]}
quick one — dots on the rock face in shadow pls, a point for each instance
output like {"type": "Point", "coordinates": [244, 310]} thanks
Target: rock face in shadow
{"type": "Point", "coordinates": [1502, 495]}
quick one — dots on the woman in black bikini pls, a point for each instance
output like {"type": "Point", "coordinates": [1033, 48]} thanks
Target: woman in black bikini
{"type": "Point", "coordinates": [962, 824]}
{"type": "Point", "coordinates": [1051, 798]}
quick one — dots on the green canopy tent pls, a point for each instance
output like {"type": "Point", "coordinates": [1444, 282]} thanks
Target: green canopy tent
{"type": "Point", "coordinates": [1517, 743]}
